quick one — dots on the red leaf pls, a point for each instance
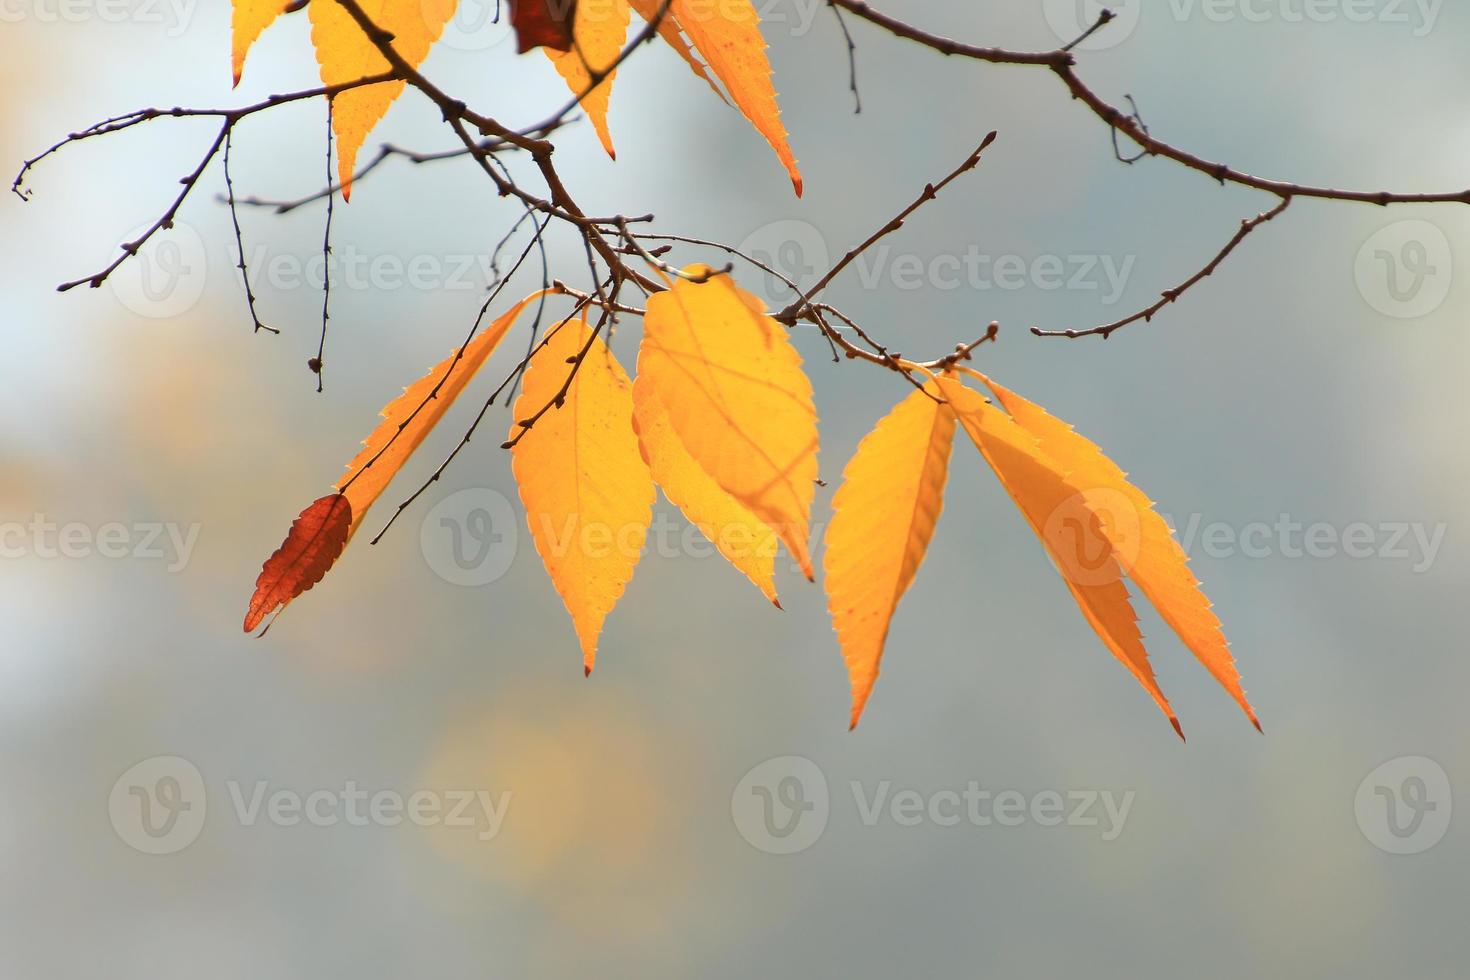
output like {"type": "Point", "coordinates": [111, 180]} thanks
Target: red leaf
{"type": "Point", "coordinates": [314, 543]}
{"type": "Point", "coordinates": [543, 23]}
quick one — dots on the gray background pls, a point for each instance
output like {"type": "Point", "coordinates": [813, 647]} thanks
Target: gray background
{"type": "Point", "coordinates": [1273, 389]}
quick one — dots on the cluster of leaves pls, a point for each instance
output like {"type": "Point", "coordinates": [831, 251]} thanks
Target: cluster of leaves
{"type": "Point", "coordinates": [721, 417]}
{"type": "Point", "coordinates": [583, 38]}
{"type": "Point", "coordinates": [720, 414]}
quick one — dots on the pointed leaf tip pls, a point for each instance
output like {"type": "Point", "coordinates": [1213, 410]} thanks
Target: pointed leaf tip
{"type": "Point", "coordinates": [884, 516]}
{"type": "Point", "coordinates": [314, 543]}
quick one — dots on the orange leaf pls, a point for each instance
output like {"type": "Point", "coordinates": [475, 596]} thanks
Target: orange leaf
{"type": "Point", "coordinates": [302, 561]}
{"type": "Point", "coordinates": [315, 541]}
{"type": "Point", "coordinates": [744, 540]}
{"type": "Point", "coordinates": [543, 23]}
{"type": "Point", "coordinates": [410, 417]}
{"type": "Point", "coordinates": [1061, 515]}
{"type": "Point", "coordinates": [346, 55]}
{"type": "Point", "coordinates": [734, 390]}
{"type": "Point", "coordinates": [668, 29]}
{"type": "Point", "coordinates": [586, 489]}
{"type": "Point", "coordinates": [727, 34]}
{"type": "Point", "coordinates": [885, 512]}
{"type": "Point", "coordinates": [249, 19]}
{"type": "Point", "coordinates": [1142, 539]}
{"type": "Point", "coordinates": [601, 29]}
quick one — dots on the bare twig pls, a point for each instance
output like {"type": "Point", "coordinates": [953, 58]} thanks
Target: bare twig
{"type": "Point", "coordinates": [1170, 295]}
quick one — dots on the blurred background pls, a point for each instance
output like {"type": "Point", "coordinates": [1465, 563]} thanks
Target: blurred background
{"type": "Point", "coordinates": [409, 775]}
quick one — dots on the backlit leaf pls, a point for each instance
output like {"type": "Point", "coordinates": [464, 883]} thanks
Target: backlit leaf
{"type": "Point", "coordinates": [884, 515]}
{"type": "Point", "coordinates": [346, 55]}
{"type": "Point", "coordinates": [1061, 516]}
{"type": "Point", "coordinates": [744, 540]}
{"type": "Point", "coordinates": [587, 492]}
{"type": "Point", "coordinates": [410, 417]}
{"type": "Point", "coordinates": [249, 19]}
{"type": "Point", "coordinates": [543, 23]}
{"type": "Point", "coordinates": [1144, 542]}
{"type": "Point", "coordinates": [726, 33]}
{"type": "Point", "coordinates": [733, 387]}
{"type": "Point", "coordinates": [315, 541]}
{"type": "Point", "coordinates": [601, 28]}
{"type": "Point", "coordinates": [668, 29]}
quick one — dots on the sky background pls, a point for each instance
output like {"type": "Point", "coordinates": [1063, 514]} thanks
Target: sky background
{"type": "Point", "coordinates": [1294, 389]}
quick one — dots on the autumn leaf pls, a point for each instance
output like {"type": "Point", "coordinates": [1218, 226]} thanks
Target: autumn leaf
{"type": "Point", "coordinates": [588, 493]}
{"type": "Point", "coordinates": [744, 540]}
{"type": "Point", "coordinates": [601, 28]}
{"type": "Point", "coordinates": [1143, 541]}
{"type": "Point", "coordinates": [884, 516]}
{"type": "Point", "coordinates": [668, 29]}
{"type": "Point", "coordinates": [733, 387]}
{"type": "Point", "coordinates": [346, 55]}
{"type": "Point", "coordinates": [249, 19]}
{"type": "Point", "coordinates": [543, 23]}
{"type": "Point", "coordinates": [406, 421]}
{"type": "Point", "coordinates": [727, 35]}
{"type": "Point", "coordinates": [314, 543]}
{"type": "Point", "coordinates": [1084, 557]}
{"type": "Point", "coordinates": [410, 417]}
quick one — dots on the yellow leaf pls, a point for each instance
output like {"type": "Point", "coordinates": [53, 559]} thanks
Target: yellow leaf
{"type": "Point", "coordinates": [734, 390]}
{"type": "Point", "coordinates": [587, 492]}
{"type": "Point", "coordinates": [249, 19]}
{"type": "Point", "coordinates": [739, 535]}
{"type": "Point", "coordinates": [885, 511]}
{"type": "Point", "coordinates": [346, 55]}
{"type": "Point", "coordinates": [412, 416]}
{"type": "Point", "coordinates": [668, 29]}
{"type": "Point", "coordinates": [1142, 539]}
{"type": "Point", "coordinates": [1062, 517]}
{"type": "Point", "coordinates": [727, 34]}
{"type": "Point", "coordinates": [600, 28]}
